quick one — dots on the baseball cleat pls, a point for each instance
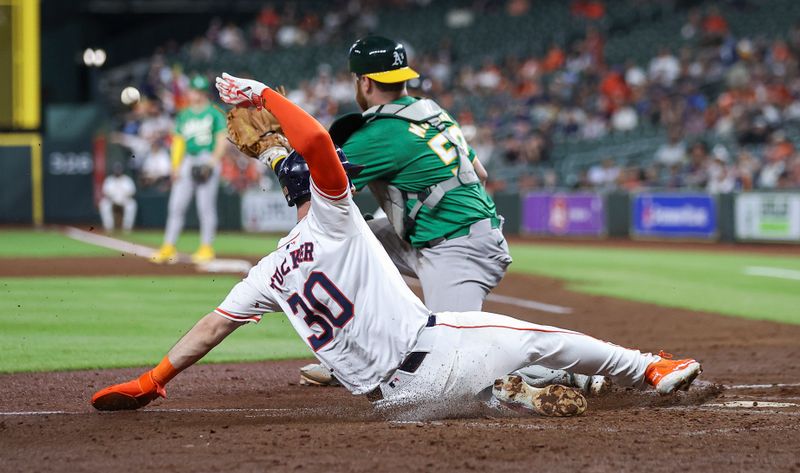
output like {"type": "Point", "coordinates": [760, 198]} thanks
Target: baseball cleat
{"type": "Point", "coordinates": [668, 375]}
{"type": "Point", "coordinates": [317, 375]}
{"type": "Point", "coordinates": [203, 254]}
{"type": "Point", "coordinates": [554, 400]}
{"type": "Point", "coordinates": [167, 254]}
{"type": "Point", "coordinates": [592, 385]}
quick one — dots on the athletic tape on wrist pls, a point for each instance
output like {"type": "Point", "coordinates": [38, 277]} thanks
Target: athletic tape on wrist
{"type": "Point", "coordinates": [272, 156]}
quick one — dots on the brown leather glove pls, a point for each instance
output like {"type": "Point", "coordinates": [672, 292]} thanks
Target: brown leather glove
{"type": "Point", "coordinates": [254, 131]}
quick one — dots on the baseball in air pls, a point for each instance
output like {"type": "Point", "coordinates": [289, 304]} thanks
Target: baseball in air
{"type": "Point", "coordinates": [130, 95]}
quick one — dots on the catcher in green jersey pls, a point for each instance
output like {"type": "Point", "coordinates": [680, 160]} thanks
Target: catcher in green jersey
{"type": "Point", "coordinates": [440, 225]}
{"type": "Point", "coordinates": [197, 148]}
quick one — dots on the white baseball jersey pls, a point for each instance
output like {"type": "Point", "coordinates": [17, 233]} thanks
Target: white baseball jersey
{"type": "Point", "coordinates": [340, 291]}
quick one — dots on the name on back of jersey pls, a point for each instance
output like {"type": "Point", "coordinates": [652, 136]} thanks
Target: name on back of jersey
{"type": "Point", "coordinates": [303, 254]}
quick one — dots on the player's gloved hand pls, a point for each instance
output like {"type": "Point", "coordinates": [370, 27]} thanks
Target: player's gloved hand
{"type": "Point", "coordinates": [237, 91]}
{"type": "Point", "coordinates": [129, 396]}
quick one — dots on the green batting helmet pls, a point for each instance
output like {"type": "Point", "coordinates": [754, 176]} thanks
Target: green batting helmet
{"type": "Point", "coordinates": [199, 82]}
{"type": "Point", "coordinates": [381, 59]}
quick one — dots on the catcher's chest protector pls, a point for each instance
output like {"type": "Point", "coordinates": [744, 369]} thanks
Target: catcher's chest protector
{"type": "Point", "coordinates": [393, 200]}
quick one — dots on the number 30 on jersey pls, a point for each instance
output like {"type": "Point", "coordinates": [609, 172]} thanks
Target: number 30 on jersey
{"type": "Point", "coordinates": [317, 313]}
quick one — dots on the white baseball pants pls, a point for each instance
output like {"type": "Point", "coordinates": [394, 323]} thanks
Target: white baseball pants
{"type": "Point", "coordinates": [467, 351]}
{"type": "Point", "coordinates": [106, 208]}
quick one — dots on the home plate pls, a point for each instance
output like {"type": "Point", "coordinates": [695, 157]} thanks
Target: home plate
{"type": "Point", "coordinates": [752, 404]}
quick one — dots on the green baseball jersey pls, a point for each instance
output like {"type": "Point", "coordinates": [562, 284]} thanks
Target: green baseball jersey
{"type": "Point", "coordinates": [412, 158]}
{"type": "Point", "coordinates": [199, 128]}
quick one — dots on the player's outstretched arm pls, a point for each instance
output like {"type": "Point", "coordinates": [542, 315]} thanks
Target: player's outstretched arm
{"type": "Point", "coordinates": [207, 333]}
{"type": "Point", "coordinates": [306, 135]}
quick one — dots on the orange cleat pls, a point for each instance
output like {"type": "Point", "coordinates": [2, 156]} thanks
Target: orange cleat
{"type": "Point", "coordinates": [129, 396]}
{"type": "Point", "coordinates": [668, 375]}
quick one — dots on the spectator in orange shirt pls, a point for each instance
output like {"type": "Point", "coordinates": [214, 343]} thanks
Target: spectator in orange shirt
{"type": "Point", "coordinates": [614, 88]}
{"type": "Point", "coordinates": [589, 9]}
{"type": "Point", "coordinates": [554, 60]}
{"type": "Point", "coordinates": [715, 27]}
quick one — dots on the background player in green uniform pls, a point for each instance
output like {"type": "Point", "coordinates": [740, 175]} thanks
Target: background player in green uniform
{"type": "Point", "coordinates": [455, 246]}
{"type": "Point", "coordinates": [197, 148]}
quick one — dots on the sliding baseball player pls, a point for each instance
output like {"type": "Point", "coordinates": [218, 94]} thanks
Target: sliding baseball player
{"type": "Point", "coordinates": [348, 302]}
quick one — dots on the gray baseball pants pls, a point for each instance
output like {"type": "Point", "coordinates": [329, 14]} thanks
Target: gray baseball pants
{"type": "Point", "coordinates": [206, 199]}
{"type": "Point", "coordinates": [457, 274]}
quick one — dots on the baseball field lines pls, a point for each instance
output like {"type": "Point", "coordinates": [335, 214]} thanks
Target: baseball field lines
{"type": "Point", "coordinates": [761, 405]}
{"type": "Point", "coordinates": [110, 243]}
{"type": "Point", "coordinates": [780, 273]}
{"type": "Point", "coordinates": [46, 243]}
{"type": "Point", "coordinates": [187, 410]}
{"type": "Point", "coordinates": [528, 304]}
{"type": "Point", "coordinates": [511, 300]}
{"type": "Point", "coordinates": [696, 280]}
{"type": "Point", "coordinates": [762, 386]}
{"type": "Point", "coordinates": [255, 245]}
{"type": "Point", "coordinates": [218, 265]}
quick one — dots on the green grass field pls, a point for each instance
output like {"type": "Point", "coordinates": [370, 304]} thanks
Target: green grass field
{"type": "Point", "coordinates": [44, 244]}
{"type": "Point", "coordinates": [86, 322]}
{"type": "Point", "coordinates": [697, 280]}
{"type": "Point", "coordinates": [75, 323]}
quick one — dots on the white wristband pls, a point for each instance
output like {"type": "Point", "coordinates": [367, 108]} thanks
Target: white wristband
{"type": "Point", "coordinates": [272, 156]}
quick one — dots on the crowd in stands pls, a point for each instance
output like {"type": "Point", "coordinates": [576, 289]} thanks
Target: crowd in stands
{"type": "Point", "coordinates": [725, 104]}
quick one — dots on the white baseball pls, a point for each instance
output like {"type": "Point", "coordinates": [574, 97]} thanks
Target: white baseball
{"type": "Point", "coordinates": [130, 95]}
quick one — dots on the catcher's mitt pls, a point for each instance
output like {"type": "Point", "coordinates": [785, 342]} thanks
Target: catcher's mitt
{"type": "Point", "coordinates": [255, 131]}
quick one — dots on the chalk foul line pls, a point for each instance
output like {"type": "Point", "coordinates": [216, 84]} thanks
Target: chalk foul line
{"type": "Point", "coordinates": [761, 386]}
{"type": "Point", "coordinates": [740, 404]}
{"type": "Point", "coordinates": [219, 265]}
{"type": "Point", "coordinates": [529, 304]}
{"type": "Point", "coordinates": [769, 272]}
{"type": "Point", "coordinates": [221, 410]}
{"type": "Point", "coordinates": [511, 300]}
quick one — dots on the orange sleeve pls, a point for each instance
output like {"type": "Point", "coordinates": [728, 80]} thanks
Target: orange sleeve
{"type": "Point", "coordinates": [311, 140]}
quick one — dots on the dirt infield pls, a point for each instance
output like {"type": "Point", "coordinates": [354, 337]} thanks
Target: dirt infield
{"type": "Point", "coordinates": [124, 265]}
{"type": "Point", "coordinates": [254, 417]}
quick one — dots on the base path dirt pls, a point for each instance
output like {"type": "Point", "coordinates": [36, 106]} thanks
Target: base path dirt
{"type": "Point", "coordinates": [254, 416]}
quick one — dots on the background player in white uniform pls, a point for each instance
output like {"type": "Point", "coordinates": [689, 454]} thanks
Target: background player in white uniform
{"type": "Point", "coordinates": [346, 299]}
{"type": "Point", "coordinates": [118, 191]}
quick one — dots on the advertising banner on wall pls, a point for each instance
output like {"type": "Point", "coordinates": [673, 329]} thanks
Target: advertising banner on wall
{"type": "Point", "coordinates": [581, 214]}
{"type": "Point", "coordinates": [674, 215]}
{"type": "Point", "coordinates": [266, 212]}
{"type": "Point", "coordinates": [762, 216]}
